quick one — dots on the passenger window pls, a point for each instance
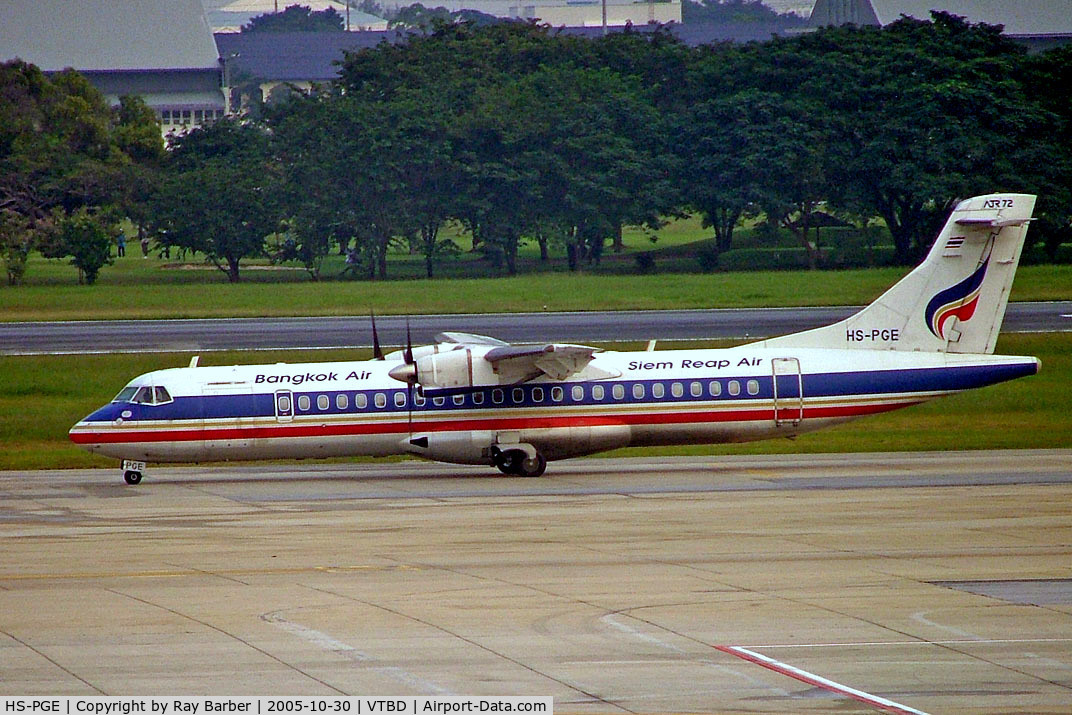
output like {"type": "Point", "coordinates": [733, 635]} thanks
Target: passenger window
{"type": "Point", "coordinates": [696, 389]}
{"type": "Point", "coordinates": [537, 394]}
{"type": "Point", "coordinates": [497, 396]}
{"type": "Point", "coordinates": [283, 403]}
{"type": "Point", "coordinates": [361, 400]}
{"type": "Point", "coordinates": [597, 392]}
{"type": "Point", "coordinates": [400, 399]}
{"type": "Point", "coordinates": [734, 388]}
{"type": "Point", "coordinates": [342, 401]}
{"type": "Point", "coordinates": [577, 393]}
{"type": "Point", "coordinates": [381, 400]}
{"type": "Point", "coordinates": [162, 395]}
{"type": "Point", "coordinates": [304, 403]}
{"type": "Point", "coordinates": [676, 389]}
{"type": "Point", "coordinates": [438, 401]}
{"type": "Point", "coordinates": [557, 393]}
{"type": "Point", "coordinates": [657, 390]}
{"type": "Point", "coordinates": [753, 387]}
{"type": "Point", "coordinates": [459, 399]}
{"type": "Point", "coordinates": [322, 402]}
{"type": "Point", "coordinates": [618, 391]}
{"type": "Point", "coordinates": [478, 398]}
{"type": "Point", "coordinates": [418, 400]}
{"type": "Point", "coordinates": [638, 391]}
{"type": "Point", "coordinates": [715, 388]}
{"type": "Point", "coordinates": [518, 395]}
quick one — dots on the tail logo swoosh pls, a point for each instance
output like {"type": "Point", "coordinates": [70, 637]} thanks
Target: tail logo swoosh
{"type": "Point", "coordinates": [958, 301]}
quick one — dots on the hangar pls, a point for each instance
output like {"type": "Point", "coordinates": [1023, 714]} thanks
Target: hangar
{"type": "Point", "coordinates": [161, 51]}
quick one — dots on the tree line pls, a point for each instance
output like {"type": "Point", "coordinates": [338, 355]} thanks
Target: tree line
{"type": "Point", "coordinates": [521, 134]}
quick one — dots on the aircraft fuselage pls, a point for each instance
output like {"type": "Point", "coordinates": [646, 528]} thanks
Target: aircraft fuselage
{"type": "Point", "coordinates": [652, 398]}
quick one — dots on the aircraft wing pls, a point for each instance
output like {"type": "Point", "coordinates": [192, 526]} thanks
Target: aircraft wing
{"type": "Point", "coordinates": [518, 363]}
{"type": "Point", "coordinates": [468, 339]}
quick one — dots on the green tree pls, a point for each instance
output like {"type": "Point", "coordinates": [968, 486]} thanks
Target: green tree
{"type": "Point", "coordinates": [220, 194]}
{"type": "Point", "coordinates": [62, 146]}
{"type": "Point", "coordinates": [297, 18]}
{"type": "Point", "coordinates": [16, 241]}
{"type": "Point", "coordinates": [919, 113]}
{"type": "Point", "coordinates": [85, 237]}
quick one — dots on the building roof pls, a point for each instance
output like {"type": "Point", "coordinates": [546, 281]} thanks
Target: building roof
{"type": "Point", "coordinates": [107, 34]}
{"type": "Point", "coordinates": [312, 56]}
{"type": "Point", "coordinates": [293, 56]}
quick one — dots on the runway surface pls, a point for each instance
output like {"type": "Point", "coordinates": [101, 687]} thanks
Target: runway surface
{"type": "Point", "coordinates": [355, 331]}
{"type": "Point", "coordinates": [911, 582]}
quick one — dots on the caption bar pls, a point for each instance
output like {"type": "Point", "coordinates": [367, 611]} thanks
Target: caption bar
{"type": "Point", "coordinates": [402, 705]}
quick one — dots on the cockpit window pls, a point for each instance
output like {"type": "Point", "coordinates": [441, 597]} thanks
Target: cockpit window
{"type": "Point", "coordinates": [144, 395]}
{"type": "Point", "coordinates": [125, 394]}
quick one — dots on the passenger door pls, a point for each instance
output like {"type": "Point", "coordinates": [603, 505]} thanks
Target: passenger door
{"type": "Point", "coordinates": [788, 391]}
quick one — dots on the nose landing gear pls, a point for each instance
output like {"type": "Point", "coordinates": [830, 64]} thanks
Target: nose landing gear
{"type": "Point", "coordinates": [132, 471]}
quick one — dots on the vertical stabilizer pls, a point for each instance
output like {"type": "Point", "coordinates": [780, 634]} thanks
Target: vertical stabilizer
{"type": "Point", "coordinates": [952, 302]}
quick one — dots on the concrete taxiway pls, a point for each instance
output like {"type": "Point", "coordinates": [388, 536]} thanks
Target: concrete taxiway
{"type": "Point", "coordinates": [908, 582]}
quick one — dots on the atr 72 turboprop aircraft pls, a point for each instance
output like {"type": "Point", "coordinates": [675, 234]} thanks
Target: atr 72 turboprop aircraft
{"type": "Point", "coordinates": [470, 399]}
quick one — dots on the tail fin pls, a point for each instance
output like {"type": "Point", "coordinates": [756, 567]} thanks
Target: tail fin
{"type": "Point", "coordinates": [952, 302]}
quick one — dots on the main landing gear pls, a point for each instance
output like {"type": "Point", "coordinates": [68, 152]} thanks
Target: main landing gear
{"type": "Point", "coordinates": [516, 463]}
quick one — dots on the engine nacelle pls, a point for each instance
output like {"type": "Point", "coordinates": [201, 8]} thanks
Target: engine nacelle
{"type": "Point", "coordinates": [458, 368]}
{"type": "Point", "coordinates": [455, 447]}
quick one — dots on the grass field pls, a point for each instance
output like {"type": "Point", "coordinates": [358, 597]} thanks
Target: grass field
{"type": "Point", "coordinates": [136, 295]}
{"type": "Point", "coordinates": [186, 287]}
{"type": "Point", "coordinates": [41, 397]}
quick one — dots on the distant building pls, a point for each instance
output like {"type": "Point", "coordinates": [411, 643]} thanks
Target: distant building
{"type": "Point", "coordinates": [260, 62]}
{"type": "Point", "coordinates": [163, 52]}
{"type": "Point", "coordinates": [231, 15]}
{"type": "Point", "coordinates": [1020, 17]}
{"type": "Point", "coordinates": [842, 12]}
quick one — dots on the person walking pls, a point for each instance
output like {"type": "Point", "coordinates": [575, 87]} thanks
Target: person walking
{"type": "Point", "coordinates": [121, 244]}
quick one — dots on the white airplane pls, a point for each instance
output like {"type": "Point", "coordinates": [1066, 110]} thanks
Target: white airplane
{"type": "Point", "coordinates": [475, 400]}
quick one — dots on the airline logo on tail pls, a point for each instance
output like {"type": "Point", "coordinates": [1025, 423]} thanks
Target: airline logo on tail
{"type": "Point", "coordinates": [959, 302]}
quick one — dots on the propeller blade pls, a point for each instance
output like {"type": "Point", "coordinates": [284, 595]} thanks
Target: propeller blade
{"type": "Point", "coordinates": [377, 351]}
{"type": "Point", "coordinates": [408, 354]}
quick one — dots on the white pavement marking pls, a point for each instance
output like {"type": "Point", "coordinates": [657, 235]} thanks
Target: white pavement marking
{"type": "Point", "coordinates": [920, 618]}
{"type": "Point", "coordinates": [328, 643]}
{"type": "Point", "coordinates": [816, 680]}
{"type": "Point", "coordinates": [963, 641]}
{"type": "Point", "coordinates": [610, 620]}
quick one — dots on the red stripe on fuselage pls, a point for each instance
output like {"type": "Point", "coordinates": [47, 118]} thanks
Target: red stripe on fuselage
{"type": "Point", "coordinates": [460, 425]}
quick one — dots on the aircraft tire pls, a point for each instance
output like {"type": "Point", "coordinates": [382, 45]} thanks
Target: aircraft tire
{"type": "Point", "coordinates": [131, 476]}
{"type": "Point", "coordinates": [510, 462]}
{"type": "Point", "coordinates": [532, 467]}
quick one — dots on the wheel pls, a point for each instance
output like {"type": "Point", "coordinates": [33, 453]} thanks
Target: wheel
{"type": "Point", "coordinates": [131, 476]}
{"type": "Point", "coordinates": [532, 467]}
{"type": "Point", "coordinates": [509, 462]}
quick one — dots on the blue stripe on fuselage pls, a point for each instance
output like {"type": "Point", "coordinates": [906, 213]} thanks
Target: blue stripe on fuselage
{"type": "Point", "coordinates": [835, 384]}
